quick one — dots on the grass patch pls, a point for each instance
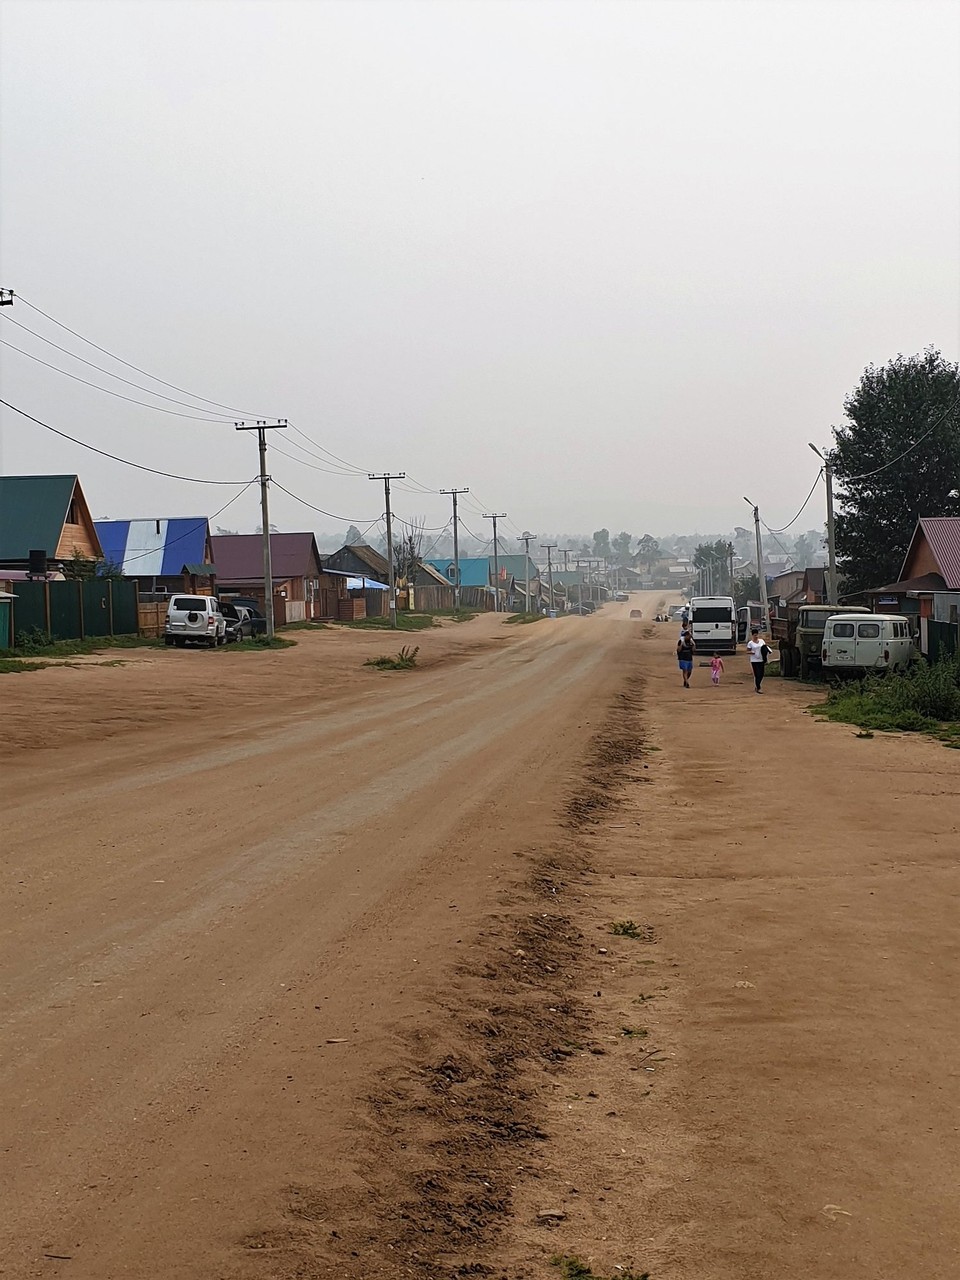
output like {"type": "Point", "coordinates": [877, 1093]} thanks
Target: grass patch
{"type": "Point", "coordinates": [627, 929]}
{"type": "Point", "coordinates": [405, 622]}
{"type": "Point", "coordinates": [521, 619]}
{"type": "Point", "coordinates": [573, 1268]}
{"type": "Point", "coordinates": [454, 615]}
{"type": "Point", "coordinates": [634, 1033]}
{"type": "Point", "coordinates": [38, 644]}
{"type": "Point", "coordinates": [924, 699]}
{"type": "Point", "coordinates": [304, 625]}
{"type": "Point", "coordinates": [405, 660]}
{"type": "Point", "coordinates": [10, 666]}
{"type": "Point", "coordinates": [263, 641]}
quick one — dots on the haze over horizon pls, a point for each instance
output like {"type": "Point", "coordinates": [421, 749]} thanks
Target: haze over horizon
{"type": "Point", "coordinates": [608, 264]}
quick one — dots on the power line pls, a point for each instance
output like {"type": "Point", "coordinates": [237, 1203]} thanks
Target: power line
{"type": "Point", "coordinates": [170, 475]}
{"type": "Point", "coordinates": [183, 391]}
{"type": "Point", "coordinates": [96, 386]}
{"type": "Point", "coordinates": [190, 532]}
{"type": "Point", "coordinates": [802, 509]}
{"type": "Point", "coordinates": [316, 444]}
{"type": "Point", "coordinates": [867, 474]}
{"type": "Point", "coordinates": [99, 368]}
{"type": "Point", "coordinates": [330, 514]}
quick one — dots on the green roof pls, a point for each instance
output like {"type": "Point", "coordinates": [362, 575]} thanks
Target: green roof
{"type": "Point", "coordinates": [33, 510]}
{"type": "Point", "coordinates": [200, 570]}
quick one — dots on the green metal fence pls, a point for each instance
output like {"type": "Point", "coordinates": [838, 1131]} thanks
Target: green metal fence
{"type": "Point", "coordinates": [943, 640]}
{"type": "Point", "coordinates": [73, 610]}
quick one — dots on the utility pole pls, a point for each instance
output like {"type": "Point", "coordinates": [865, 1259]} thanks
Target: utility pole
{"type": "Point", "coordinates": [764, 606]}
{"type": "Point", "coordinates": [6, 300]}
{"type": "Point", "coordinates": [391, 572]}
{"type": "Point", "coordinates": [456, 545]}
{"type": "Point", "coordinates": [261, 429]}
{"type": "Point", "coordinates": [730, 553]}
{"type": "Point", "coordinates": [526, 538]}
{"type": "Point", "coordinates": [565, 551]}
{"type": "Point", "coordinates": [500, 515]}
{"type": "Point", "coordinates": [548, 547]}
{"type": "Point", "coordinates": [832, 584]}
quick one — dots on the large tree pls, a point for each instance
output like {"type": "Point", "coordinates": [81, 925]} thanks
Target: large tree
{"type": "Point", "coordinates": [715, 556]}
{"type": "Point", "coordinates": [896, 458]}
{"type": "Point", "coordinates": [648, 550]}
{"type": "Point", "coordinates": [621, 548]}
{"type": "Point", "coordinates": [601, 544]}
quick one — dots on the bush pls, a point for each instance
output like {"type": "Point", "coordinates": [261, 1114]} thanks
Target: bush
{"type": "Point", "coordinates": [922, 699]}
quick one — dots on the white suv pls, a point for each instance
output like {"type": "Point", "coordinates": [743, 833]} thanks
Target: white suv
{"type": "Point", "coordinates": [195, 618]}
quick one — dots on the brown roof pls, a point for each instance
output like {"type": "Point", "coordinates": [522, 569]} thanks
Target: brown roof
{"type": "Point", "coordinates": [926, 582]}
{"type": "Point", "coordinates": [239, 556]}
{"type": "Point", "coordinates": [363, 551]}
{"type": "Point", "coordinates": [942, 534]}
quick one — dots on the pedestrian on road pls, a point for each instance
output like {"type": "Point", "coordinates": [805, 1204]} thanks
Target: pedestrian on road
{"type": "Point", "coordinates": [759, 651]}
{"type": "Point", "coordinates": [685, 651]}
{"type": "Point", "coordinates": [716, 669]}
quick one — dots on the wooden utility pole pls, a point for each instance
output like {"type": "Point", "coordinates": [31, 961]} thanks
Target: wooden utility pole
{"type": "Point", "coordinates": [526, 537]}
{"type": "Point", "coordinates": [391, 572]}
{"type": "Point", "coordinates": [500, 515]}
{"type": "Point", "coordinates": [261, 429]}
{"type": "Point", "coordinates": [764, 606]}
{"type": "Point", "coordinates": [456, 545]}
{"type": "Point", "coordinates": [548, 547]}
{"type": "Point", "coordinates": [833, 587]}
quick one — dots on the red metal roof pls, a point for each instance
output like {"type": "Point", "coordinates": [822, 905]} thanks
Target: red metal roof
{"type": "Point", "coordinates": [942, 534]}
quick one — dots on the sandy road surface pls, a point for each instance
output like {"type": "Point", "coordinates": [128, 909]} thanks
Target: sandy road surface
{"type": "Point", "coordinates": [213, 870]}
{"type": "Point", "coordinates": [326, 987]}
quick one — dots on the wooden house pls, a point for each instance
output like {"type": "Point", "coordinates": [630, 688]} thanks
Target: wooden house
{"type": "Point", "coordinates": [164, 555]}
{"type": "Point", "coordinates": [48, 516]}
{"type": "Point", "coordinates": [302, 590]}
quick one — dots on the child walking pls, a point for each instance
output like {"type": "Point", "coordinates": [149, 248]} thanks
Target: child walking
{"type": "Point", "coordinates": [716, 669]}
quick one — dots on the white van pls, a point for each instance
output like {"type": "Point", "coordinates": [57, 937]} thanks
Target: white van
{"type": "Point", "coordinates": [871, 642]}
{"type": "Point", "coordinates": [714, 623]}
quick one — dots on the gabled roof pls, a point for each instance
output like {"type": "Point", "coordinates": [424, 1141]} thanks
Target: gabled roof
{"type": "Point", "coordinates": [430, 571]}
{"type": "Point", "coordinates": [942, 536]}
{"type": "Point", "coordinates": [516, 567]}
{"type": "Point", "coordinates": [33, 511]}
{"type": "Point", "coordinates": [367, 555]}
{"type": "Point", "coordinates": [925, 582]}
{"type": "Point", "coordinates": [239, 556]}
{"type": "Point", "coordinates": [474, 570]}
{"type": "Point", "coordinates": [156, 548]}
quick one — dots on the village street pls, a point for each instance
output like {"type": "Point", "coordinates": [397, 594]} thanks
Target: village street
{"type": "Point", "coordinates": [307, 968]}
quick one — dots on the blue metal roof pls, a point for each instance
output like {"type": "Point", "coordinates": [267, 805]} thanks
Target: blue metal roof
{"type": "Point", "coordinates": [154, 548]}
{"type": "Point", "coordinates": [474, 570]}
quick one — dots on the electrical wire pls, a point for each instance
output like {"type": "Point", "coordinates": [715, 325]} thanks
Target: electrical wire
{"type": "Point", "coordinates": [113, 356]}
{"type": "Point", "coordinates": [362, 471]}
{"type": "Point", "coordinates": [867, 474]}
{"type": "Point", "coordinates": [190, 532]}
{"type": "Point", "coordinates": [426, 554]}
{"type": "Point", "coordinates": [96, 386]}
{"type": "Point", "coordinates": [99, 368]}
{"type": "Point", "coordinates": [801, 511]}
{"type": "Point", "coordinates": [170, 475]}
{"type": "Point", "coordinates": [331, 470]}
{"type": "Point", "coordinates": [331, 514]}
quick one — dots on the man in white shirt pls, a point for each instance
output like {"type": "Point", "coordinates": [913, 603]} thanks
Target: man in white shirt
{"type": "Point", "coordinates": [759, 651]}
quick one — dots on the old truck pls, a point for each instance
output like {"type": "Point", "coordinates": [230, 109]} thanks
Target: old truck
{"type": "Point", "coordinates": [797, 632]}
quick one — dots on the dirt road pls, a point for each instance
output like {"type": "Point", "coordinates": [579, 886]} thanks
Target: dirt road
{"type": "Point", "coordinates": [307, 969]}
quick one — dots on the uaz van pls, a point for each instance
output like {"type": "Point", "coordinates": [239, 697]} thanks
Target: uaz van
{"type": "Point", "coordinates": [866, 642]}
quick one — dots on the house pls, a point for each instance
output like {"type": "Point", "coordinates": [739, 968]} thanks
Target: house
{"type": "Point", "coordinates": [930, 573]}
{"type": "Point", "coordinates": [164, 555]}
{"type": "Point", "coordinates": [302, 590]}
{"type": "Point", "coordinates": [430, 589]}
{"type": "Point", "coordinates": [784, 587]}
{"type": "Point", "coordinates": [48, 515]}
{"type": "Point", "coordinates": [361, 561]}
{"type": "Point", "coordinates": [476, 580]}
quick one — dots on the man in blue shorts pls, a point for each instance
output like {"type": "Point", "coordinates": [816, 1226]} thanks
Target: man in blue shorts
{"type": "Point", "coordinates": [685, 651]}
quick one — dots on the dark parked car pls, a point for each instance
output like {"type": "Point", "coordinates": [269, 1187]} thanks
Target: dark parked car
{"type": "Point", "coordinates": [244, 621]}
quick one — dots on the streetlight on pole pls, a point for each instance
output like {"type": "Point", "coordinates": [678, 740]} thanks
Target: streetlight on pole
{"type": "Point", "coordinates": [526, 538]}
{"type": "Point", "coordinates": [832, 585]}
{"type": "Point", "coordinates": [764, 606]}
{"type": "Point", "coordinates": [456, 545]}
{"type": "Point", "coordinates": [391, 572]}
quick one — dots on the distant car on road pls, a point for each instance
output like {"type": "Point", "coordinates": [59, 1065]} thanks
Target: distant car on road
{"type": "Point", "coordinates": [195, 619]}
{"type": "Point", "coordinates": [620, 596]}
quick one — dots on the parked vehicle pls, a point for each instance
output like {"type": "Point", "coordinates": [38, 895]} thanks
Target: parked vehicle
{"type": "Point", "coordinates": [621, 596]}
{"type": "Point", "coordinates": [714, 623]}
{"type": "Point", "coordinates": [243, 621]}
{"type": "Point", "coordinates": [797, 633]}
{"type": "Point", "coordinates": [748, 616]}
{"type": "Point", "coordinates": [880, 642]}
{"type": "Point", "coordinates": [196, 619]}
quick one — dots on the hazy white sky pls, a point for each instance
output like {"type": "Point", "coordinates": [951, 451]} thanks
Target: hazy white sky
{"type": "Point", "coordinates": [606, 263]}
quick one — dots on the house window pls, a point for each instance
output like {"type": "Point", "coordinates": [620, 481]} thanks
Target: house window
{"type": "Point", "coordinates": [73, 512]}
{"type": "Point", "coordinates": [157, 523]}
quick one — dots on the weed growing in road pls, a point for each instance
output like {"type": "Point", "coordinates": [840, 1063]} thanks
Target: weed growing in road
{"type": "Point", "coordinates": [523, 618]}
{"type": "Point", "coordinates": [405, 622]}
{"type": "Point", "coordinates": [263, 641]}
{"type": "Point", "coordinates": [9, 666]}
{"type": "Point", "coordinates": [630, 929]}
{"type": "Point", "coordinates": [36, 643]}
{"type": "Point", "coordinates": [634, 1033]}
{"type": "Point", "coordinates": [572, 1268]}
{"type": "Point", "coordinates": [405, 660]}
